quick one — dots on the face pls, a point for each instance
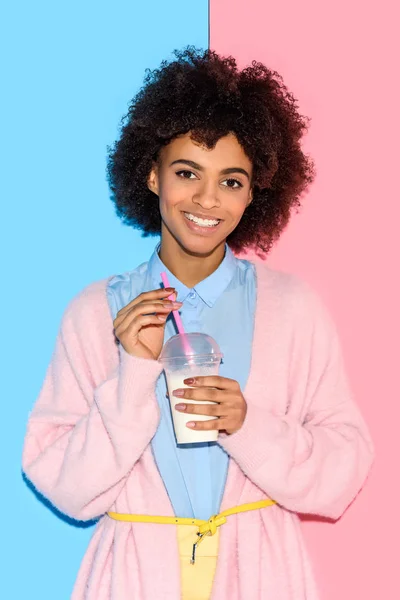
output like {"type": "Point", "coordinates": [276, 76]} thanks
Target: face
{"type": "Point", "coordinates": [203, 193]}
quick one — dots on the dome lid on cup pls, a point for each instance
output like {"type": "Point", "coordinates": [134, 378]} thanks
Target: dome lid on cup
{"type": "Point", "coordinates": [186, 345]}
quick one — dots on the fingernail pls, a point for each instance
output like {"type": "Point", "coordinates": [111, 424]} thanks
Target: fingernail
{"type": "Point", "coordinates": [178, 393]}
{"type": "Point", "coordinates": [191, 424]}
{"type": "Point", "coordinates": [169, 289]}
{"type": "Point", "coordinates": [180, 406]}
{"type": "Point", "coordinates": [189, 381]}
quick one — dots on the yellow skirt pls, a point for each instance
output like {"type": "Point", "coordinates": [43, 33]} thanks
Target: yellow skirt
{"type": "Point", "coordinates": [197, 579]}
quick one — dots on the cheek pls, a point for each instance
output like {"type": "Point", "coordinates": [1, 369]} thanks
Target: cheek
{"type": "Point", "coordinates": [237, 208]}
{"type": "Point", "coordinates": [170, 196]}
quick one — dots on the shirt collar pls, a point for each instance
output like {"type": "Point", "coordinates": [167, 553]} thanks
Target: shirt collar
{"type": "Point", "coordinates": [209, 290]}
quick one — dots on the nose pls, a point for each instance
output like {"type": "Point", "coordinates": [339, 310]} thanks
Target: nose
{"type": "Point", "coordinates": [207, 196]}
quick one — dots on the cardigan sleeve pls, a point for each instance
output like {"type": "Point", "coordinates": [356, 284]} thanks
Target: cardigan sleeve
{"type": "Point", "coordinates": [94, 416]}
{"type": "Point", "coordinates": [314, 460]}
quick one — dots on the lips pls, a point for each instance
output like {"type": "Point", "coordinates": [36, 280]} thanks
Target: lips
{"type": "Point", "coordinates": [201, 222]}
{"type": "Point", "coordinates": [203, 229]}
{"type": "Point", "coordinates": [203, 215]}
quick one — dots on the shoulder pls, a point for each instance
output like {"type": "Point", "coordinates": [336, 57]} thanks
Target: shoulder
{"type": "Point", "coordinates": [87, 319]}
{"type": "Point", "coordinates": [128, 277]}
{"type": "Point", "coordinates": [125, 286]}
{"type": "Point", "coordinates": [92, 306]}
{"type": "Point", "coordinates": [276, 283]}
{"type": "Point", "coordinates": [90, 301]}
{"type": "Point", "coordinates": [290, 295]}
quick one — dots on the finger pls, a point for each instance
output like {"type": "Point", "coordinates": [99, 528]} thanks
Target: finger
{"type": "Point", "coordinates": [130, 318]}
{"type": "Point", "coordinates": [144, 308]}
{"type": "Point", "coordinates": [147, 297]}
{"type": "Point", "coordinates": [213, 381]}
{"type": "Point", "coordinates": [211, 410]}
{"type": "Point", "coordinates": [136, 325]}
{"type": "Point", "coordinates": [207, 425]}
{"type": "Point", "coordinates": [139, 308]}
{"type": "Point", "coordinates": [201, 394]}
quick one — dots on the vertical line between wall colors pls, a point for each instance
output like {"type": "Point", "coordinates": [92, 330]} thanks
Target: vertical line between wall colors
{"type": "Point", "coordinates": [209, 23]}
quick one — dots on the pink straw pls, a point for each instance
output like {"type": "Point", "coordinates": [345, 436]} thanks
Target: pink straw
{"type": "Point", "coordinates": [178, 320]}
{"type": "Point", "coordinates": [176, 314]}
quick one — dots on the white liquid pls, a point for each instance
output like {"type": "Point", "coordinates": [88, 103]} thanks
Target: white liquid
{"type": "Point", "coordinates": [185, 435]}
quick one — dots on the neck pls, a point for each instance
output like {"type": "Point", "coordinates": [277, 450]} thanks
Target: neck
{"type": "Point", "coordinates": [190, 268]}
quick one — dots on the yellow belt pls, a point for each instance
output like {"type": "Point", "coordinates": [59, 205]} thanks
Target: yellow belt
{"type": "Point", "coordinates": [205, 527]}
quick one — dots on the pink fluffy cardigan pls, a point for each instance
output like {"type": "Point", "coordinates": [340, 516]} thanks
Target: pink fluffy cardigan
{"type": "Point", "coordinates": [303, 443]}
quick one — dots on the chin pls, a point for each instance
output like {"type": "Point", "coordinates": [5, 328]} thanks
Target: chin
{"type": "Point", "coordinates": [198, 245]}
{"type": "Point", "coordinates": [201, 247]}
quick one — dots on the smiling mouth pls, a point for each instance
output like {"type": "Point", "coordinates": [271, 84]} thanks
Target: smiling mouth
{"type": "Point", "coordinates": [206, 223]}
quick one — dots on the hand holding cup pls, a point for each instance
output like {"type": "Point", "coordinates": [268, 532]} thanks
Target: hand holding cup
{"type": "Point", "coordinates": [229, 406]}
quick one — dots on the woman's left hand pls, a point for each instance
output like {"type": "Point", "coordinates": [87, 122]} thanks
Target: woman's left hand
{"type": "Point", "coordinates": [230, 410]}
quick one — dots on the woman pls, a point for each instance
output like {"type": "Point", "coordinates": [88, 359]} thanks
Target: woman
{"type": "Point", "coordinates": [209, 157]}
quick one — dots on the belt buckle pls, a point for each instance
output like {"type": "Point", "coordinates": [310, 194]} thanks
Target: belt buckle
{"type": "Point", "coordinates": [200, 537]}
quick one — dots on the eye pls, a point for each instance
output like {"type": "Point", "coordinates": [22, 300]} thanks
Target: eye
{"type": "Point", "coordinates": [240, 185]}
{"type": "Point", "coordinates": [185, 174]}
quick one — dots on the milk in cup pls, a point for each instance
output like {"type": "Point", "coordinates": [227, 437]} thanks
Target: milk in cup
{"type": "Point", "coordinates": [183, 356]}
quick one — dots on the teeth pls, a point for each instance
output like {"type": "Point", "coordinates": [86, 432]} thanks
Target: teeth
{"type": "Point", "coordinates": [202, 222]}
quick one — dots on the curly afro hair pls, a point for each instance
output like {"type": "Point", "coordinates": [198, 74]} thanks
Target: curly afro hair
{"type": "Point", "coordinates": [206, 95]}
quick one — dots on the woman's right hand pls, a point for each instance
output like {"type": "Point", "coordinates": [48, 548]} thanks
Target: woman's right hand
{"type": "Point", "coordinates": [139, 325]}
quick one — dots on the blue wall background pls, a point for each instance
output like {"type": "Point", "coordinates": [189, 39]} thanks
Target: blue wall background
{"type": "Point", "coordinates": [69, 71]}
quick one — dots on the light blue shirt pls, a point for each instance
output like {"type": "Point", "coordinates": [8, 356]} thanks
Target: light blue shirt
{"type": "Point", "coordinates": [223, 306]}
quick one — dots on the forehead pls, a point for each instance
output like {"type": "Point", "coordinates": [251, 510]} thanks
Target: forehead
{"type": "Point", "coordinates": [226, 153]}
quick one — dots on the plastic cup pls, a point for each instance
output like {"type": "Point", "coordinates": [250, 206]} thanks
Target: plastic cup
{"type": "Point", "coordinates": [183, 356]}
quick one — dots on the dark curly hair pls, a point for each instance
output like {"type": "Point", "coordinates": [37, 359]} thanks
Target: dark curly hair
{"type": "Point", "coordinates": [206, 95]}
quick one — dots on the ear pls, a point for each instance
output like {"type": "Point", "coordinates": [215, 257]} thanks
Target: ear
{"type": "Point", "coordinates": [249, 201]}
{"type": "Point", "coordinates": [152, 179]}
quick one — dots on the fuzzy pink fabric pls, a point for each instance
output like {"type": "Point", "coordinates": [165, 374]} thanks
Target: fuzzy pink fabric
{"type": "Point", "coordinates": [303, 443]}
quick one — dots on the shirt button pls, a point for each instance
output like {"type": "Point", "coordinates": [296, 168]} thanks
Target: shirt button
{"type": "Point", "coordinates": [192, 295]}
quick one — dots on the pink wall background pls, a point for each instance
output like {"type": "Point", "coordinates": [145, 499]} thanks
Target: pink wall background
{"type": "Point", "coordinates": [341, 62]}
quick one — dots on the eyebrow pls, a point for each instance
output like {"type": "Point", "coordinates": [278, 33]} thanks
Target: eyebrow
{"type": "Point", "coordinates": [228, 171]}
